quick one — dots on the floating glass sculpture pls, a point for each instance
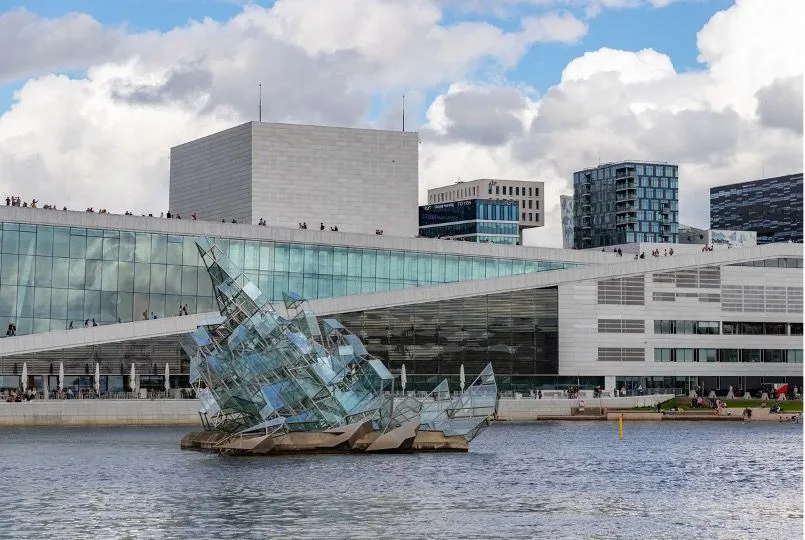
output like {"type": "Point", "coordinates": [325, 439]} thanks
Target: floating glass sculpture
{"type": "Point", "coordinates": [260, 374]}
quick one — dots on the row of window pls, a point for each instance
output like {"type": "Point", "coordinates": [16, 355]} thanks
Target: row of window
{"type": "Point", "coordinates": [454, 195]}
{"type": "Point", "coordinates": [516, 191]}
{"type": "Point", "coordinates": [779, 262]}
{"type": "Point", "coordinates": [790, 356]}
{"type": "Point", "coordinates": [532, 204]}
{"type": "Point", "coordinates": [687, 327]}
{"type": "Point", "coordinates": [762, 328]}
{"type": "Point", "coordinates": [611, 172]}
{"type": "Point", "coordinates": [531, 217]}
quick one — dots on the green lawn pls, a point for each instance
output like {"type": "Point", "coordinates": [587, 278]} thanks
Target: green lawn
{"type": "Point", "coordinates": [684, 403]}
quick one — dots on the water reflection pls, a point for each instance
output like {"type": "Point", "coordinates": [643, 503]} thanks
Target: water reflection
{"type": "Point", "coordinates": [564, 480]}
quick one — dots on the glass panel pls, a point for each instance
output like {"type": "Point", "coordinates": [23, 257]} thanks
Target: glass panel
{"type": "Point", "coordinates": [251, 259]}
{"type": "Point", "coordinates": [108, 306]}
{"type": "Point", "coordinates": [44, 267]}
{"type": "Point", "coordinates": [61, 269]}
{"type": "Point", "coordinates": [8, 301]}
{"type": "Point", "coordinates": [109, 276]}
{"type": "Point", "coordinates": [173, 279]}
{"type": "Point", "coordinates": [189, 280]}
{"type": "Point", "coordinates": [93, 275]}
{"type": "Point", "coordinates": [77, 272]}
{"type": "Point", "coordinates": [94, 247]}
{"type": "Point", "coordinates": [126, 246]}
{"type": "Point", "coordinates": [25, 303]}
{"type": "Point", "coordinates": [142, 250]}
{"type": "Point", "coordinates": [158, 248]}
{"type": "Point", "coordinates": [75, 306]}
{"type": "Point", "coordinates": [44, 240]}
{"type": "Point", "coordinates": [61, 242]}
{"type": "Point", "coordinates": [92, 305]}
{"type": "Point", "coordinates": [158, 279]}
{"type": "Point", "coordinates": [175, 250]}
{"type": "Point", "coordinates": [266, 256]}
{"type": "Point", "coordinates": [125, 276]}
{"type": "Point", "coordinates": [125, 302]}
{"type": "Point", "coordinates": [11, 241]}
{"type": "Point", "coordinates": [110, 249]}
{"type": "Point", "coordinates": [27, 242]}
{"type": "Point", "coordinates": [190, 252]}
{"type": "Point", "coordinates": [58, 304]}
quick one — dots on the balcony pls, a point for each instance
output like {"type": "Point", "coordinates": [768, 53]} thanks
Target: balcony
{"type": "Point", "coordinates": [622, 207]}
{"type": "Point", "coordinates": [625, 219]}
{"type": "Point", "coordinates": [629, 195]}
{"type": "Point", "coordinates": [622, 184]}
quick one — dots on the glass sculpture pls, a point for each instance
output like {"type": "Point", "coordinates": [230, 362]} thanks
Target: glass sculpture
{"type": "Point", "coordinates": [257, 371]}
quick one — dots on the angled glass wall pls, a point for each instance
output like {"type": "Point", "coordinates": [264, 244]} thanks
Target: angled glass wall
{"type": "Point", "coordinates": [52, 276]}
{"type": "Point", "coordinates": [516, 331]}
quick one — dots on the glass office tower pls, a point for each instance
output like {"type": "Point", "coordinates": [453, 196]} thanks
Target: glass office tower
{"type": "Point", "coordinates": [474, 220]}
{"type": "Point", "coordinates": [630, 201]}
{"type": "Point", "coordinates": [772, 207]}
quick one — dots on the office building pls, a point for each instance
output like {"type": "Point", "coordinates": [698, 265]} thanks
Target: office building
{"type": "Point", "coordinates": [625, 202]}
{"type": "Point", "coordinates": [474, 220]}
{"type": "Point", "coordinates": [529, 196]}
{"type": "Point", "coordinates": [772, 207]}
{"type": "Point", "coordinates": [359, 180]}
{"type": "Point", "coordinates": [543, 317]}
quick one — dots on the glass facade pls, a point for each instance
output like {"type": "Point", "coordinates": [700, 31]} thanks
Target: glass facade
{"type": "Point", "coordinates": [52, 276]}
{"type": "Point", "coordinates": [620, 203]}
{"type": "Point", "coordinates": [772, 207]}
{"type": "Point", "coordinates": [475, 220]}
{"type": "Point", "coordinates": [516, 331]}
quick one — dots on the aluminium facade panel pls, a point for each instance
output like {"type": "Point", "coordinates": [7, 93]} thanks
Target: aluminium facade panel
{"type": "Point", "coordinates": [772, 207]}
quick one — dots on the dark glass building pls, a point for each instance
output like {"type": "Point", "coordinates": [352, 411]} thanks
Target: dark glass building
{"type": "Point", "coordinates": [772, 207]}
{"type": "Point", "coordinates": [474, 220]}
{"type": "Point", "coordinates": [625, 202]}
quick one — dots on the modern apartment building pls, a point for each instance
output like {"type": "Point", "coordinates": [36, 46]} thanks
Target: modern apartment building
{"type": "Point", "coordinates": [358, 180]}
{"type": "Point", "coordinates": [529, 196]}
{"type": "Point", "coordinates": [625, 202]}
{"type": "Point", "coordinates": [475, 220]}
{"type": "Point", "coordinates": [772, 207]}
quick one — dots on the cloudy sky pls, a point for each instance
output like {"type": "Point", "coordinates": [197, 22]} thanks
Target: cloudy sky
{"type": "Point", "coordinates": [93, 93]}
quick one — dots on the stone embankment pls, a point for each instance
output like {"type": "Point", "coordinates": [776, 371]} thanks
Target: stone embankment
{"type": "Point", "coordinates": [526, 409]}
{"type": "Point", "coordinates": [100, 412]}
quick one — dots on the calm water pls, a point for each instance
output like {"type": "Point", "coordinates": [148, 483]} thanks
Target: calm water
{"type": "Point", "coordinates": [559, 480]}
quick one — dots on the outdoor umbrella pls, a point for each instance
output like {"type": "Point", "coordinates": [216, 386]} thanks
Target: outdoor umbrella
{"type": "Point", "coordinates": [97, 379]}
{"type": "Point", "coordinates": [461, 380]}
{"type": "Point", "coordinates": [24, 376]}
{"type": "Point", "coordinates": [61, 375]}
{"type": "Point", "coordinates": [167, 377]}
{"type": "Point", "coordinates": [403, 378]}
{"type": "Point", "coordinates": [132, 383]}
{"type": "Point", "coordinates": [45, 390]}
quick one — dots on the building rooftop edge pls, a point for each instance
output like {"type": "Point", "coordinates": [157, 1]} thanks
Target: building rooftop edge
{"type": "Point", "coordinates": [719, 186]}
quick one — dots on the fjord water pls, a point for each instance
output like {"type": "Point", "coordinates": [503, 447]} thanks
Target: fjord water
{"type": "Point", "coordinates": [560, 480]}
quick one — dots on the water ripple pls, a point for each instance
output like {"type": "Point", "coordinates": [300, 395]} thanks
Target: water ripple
{"type": "Point", "coordinates": [568, 480]}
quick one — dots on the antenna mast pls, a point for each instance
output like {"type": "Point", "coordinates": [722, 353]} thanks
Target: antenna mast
{"type": "Point", "coordinates": [403, 112]}
{"type": "Point", "coordinates": [260, 102]}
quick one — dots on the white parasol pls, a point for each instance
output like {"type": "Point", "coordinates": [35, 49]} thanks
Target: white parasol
{"type": "Point", "coordinates": [97, 378]}
{"type": "Point", "coordinates": [24, 376]}
{"type": "Point", "coordinates": [167, 377]}
{"type": "Point", "coordinates": [61, 375]}
{"type": "Point", "coordinates": [132, 381]}
{"type": "Point", "coordinates": [403, 378]}
{"type": "Point", "coordinates": [461, 379]}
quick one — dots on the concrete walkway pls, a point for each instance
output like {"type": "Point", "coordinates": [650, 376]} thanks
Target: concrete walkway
{"type": "Point", "coordinates": [100, 412]}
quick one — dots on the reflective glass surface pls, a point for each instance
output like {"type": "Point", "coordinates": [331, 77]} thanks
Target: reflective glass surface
{"type": "Point", "coordinates": [52, 276]}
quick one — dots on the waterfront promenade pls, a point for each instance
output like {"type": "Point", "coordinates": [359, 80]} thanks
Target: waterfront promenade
{"type": "Point", "coordinates": [170, 412]}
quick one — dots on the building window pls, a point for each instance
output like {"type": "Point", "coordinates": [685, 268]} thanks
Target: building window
{"type": "Point", "coordinates": [523, 203]}
{"type": "Point", "coordinates": [497, 190]}
{"type": "Point", "coordinates": [529, 192]}
{"type": "Point", "coordinates": [684, 355]}
{"type": "Point", "coordinates": [517, 191]}
{"type": "Point", "coordinates": [511, 190]}
{"type": "Point", "coordinates": [536, 205]}
{"type": "Point", "coordinates": [530, 202]}
{"type": "Point", "coordinates": [523, 216]}
{"type": "Point", "coordinates": [529, 217]}
{"type": "Point", "coordinates": [796, 329]}
{"type": "Point", "coordinates": [663, 355]}
{"type": "Point", "coordinates": [708, 355]}
{"type": "Point", "coordinates": [536, 216]}
{"type": "Point", "coordinates": [490, 189]}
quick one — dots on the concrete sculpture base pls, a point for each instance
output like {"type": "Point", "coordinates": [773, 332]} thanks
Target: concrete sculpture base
{"type": "Point", "coordinates": [354, 438]}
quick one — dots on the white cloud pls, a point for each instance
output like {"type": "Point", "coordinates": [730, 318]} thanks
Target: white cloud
{"type": "Point", "coordinates": [103, 139]}
{"type": "Point", "coordinates": [615, 105]}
